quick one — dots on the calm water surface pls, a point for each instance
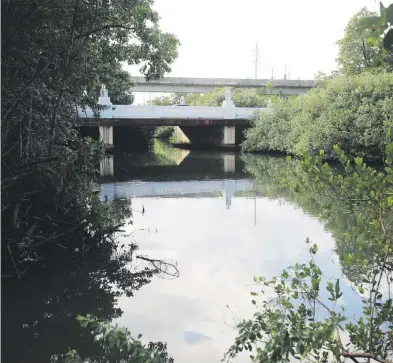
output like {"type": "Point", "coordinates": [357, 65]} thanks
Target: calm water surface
{"type": "Point", "coordinates": [208, 214]}
{"type": "Point", "coordinates": [204, 211]}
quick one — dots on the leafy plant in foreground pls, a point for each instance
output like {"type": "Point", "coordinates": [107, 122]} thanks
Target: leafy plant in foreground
{"type": "Point", "coordinates": [118, 345]}
{"type": "Point", "coordinates": [303, 318]}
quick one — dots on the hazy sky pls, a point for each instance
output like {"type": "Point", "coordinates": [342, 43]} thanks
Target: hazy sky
{"type": "Point", "coordinates": [218, 36]}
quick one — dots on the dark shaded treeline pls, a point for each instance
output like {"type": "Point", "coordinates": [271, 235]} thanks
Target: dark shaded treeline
{"type": "Point", "coordinates": [59, 256]}
{"type": "Point", "coordinates": [55, 56]}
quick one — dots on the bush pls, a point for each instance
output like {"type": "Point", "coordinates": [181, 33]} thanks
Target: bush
{"type": "Point", "coordinates": [351, 111]}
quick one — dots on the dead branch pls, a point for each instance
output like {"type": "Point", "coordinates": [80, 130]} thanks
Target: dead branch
{"type": "Point", "coordinates": [168, 269]}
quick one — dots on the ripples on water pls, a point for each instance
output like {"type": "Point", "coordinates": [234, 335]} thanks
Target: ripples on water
{"type": "Point", "coordinates": [203, 211]}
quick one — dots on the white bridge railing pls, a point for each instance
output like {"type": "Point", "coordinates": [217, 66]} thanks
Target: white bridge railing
{"type": "Point", "coordinates": [228, 111]}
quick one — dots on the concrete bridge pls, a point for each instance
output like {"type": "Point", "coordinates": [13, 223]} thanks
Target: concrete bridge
{"type": "Point", "coordinates": [226, 188]}
{"type": "Point", "coordinates": [207, 85]}
{"type": "Point", "coordinates": [221, 126]}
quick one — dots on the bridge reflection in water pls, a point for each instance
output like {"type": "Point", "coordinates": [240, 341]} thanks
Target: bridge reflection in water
{"type": "Point", "coordinates": [182, 189]}
{"type": "Point", "coordinates": [175, 173]}
{"type": "Point", "coordinates": [228, 161]}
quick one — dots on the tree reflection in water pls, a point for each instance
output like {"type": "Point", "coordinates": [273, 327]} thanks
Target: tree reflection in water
{"type": "Point", "coordinates": [339, 217]}
{"type": "Point", "coordinates": [39, 311]}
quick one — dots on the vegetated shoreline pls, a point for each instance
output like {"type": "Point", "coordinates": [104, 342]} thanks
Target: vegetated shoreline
{"type": "Point", "coordinates": [371, 160]}
{"type": "Point", "coordinates": [353, 112]}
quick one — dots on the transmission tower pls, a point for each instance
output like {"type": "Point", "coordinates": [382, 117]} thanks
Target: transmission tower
{"type": "Point", "coordinates": [256, 59]}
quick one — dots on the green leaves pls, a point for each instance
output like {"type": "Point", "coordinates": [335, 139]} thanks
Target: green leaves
{"type": "Point", "coordinates": [300, 321]}
{"type": "Point", "coordinates": [314, 249]}
{"type": "Point", "coordinates": [390, 200]}
{"type": "Point", "coordinates": [337, 289]}
{"type": "Point", "coordinates": [287, 324]}
{"type": "Point", "coordinates": [117, 343]}
{"type": "Point", "coordinates": [353, 112]}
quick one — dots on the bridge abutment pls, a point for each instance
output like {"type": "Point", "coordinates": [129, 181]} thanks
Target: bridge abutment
{"type": "Point", "coordinates": [214, 135]}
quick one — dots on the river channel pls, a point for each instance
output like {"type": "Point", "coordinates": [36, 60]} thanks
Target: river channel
{"type": "Point", "coordinates": [219, 217]}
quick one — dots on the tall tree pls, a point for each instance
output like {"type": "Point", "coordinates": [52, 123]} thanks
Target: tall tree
{"type": "Point", "coordinates": [55, 53]}
{"type": "Point", "coordinates": [367, 43]}
{"type": "Point", "coordinates": [354, 54]}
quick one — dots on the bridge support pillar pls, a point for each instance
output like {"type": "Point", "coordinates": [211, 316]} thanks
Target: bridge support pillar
{"type": "Point", "coordinates": [229, 135]}
{"type": "Point", "coordinates": [106, 135]}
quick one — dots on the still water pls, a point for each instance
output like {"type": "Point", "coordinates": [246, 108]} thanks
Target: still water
{"type": "Point", "coordinates": [217, 217]}
{"type": "Point", "coordinates": [206, 212]}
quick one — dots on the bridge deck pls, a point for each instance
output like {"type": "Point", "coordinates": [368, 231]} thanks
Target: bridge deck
{"type": "Point", "coordinates": [171, 115]}
{"type": "Point", "coordinates": [203, 85]}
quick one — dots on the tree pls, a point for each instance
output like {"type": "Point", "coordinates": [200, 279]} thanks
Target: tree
{"type": "Point", "coordinates": [118, 83]}
{"type": "Point", "coordinates": [173, 99]}
{"type": "Point", "coordinates": [351, 111]}
{"type": "Point", "coordinates": [365, 46]}
{"type": "Point", "coordinates": [354, 54]}
{"type": "Point", "coordinates": [55, 55]}
{"type": "Point", "coordinates": [241, 97]}
{"type": "Point", "coordinates": [304, 319]}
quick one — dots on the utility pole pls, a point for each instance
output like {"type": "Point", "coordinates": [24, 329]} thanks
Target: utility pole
{"type": "Point", "coordinates": [256, 59]}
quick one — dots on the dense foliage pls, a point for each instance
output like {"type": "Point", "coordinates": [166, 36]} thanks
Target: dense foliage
{"type": "Point", "coordinates": [351, 111]}
{"type": "Point", "coordinates": [300, 314]}
{"type": "Point", "coordinates": [241, 97]}
{"type": "Point", "coordinates": [55, 55]}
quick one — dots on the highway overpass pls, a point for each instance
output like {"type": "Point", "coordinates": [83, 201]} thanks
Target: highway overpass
{"type": "Point", "coordinates": [207, 85]}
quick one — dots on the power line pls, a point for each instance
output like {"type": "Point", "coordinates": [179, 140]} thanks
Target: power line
{"type": "Point", "coordinates": [256, 59]}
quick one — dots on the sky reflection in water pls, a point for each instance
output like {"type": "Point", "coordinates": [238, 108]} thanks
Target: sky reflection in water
{"type": "Point", "coordinates": [218, 250]}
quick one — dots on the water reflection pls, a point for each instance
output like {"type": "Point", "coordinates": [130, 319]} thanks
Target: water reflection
{"type": "Point", "coordinates": [164, 162]}
{"type": "Point", "coordinates": [200, 209]}
{"type": "Point", "coordinates": [227, 189]}
{"type": "Point", "coordinates": [106, 166]}
{"type": "Point", "coordinates": [161, 154]}
{"type": "Point", "coordinates": [203, 214]}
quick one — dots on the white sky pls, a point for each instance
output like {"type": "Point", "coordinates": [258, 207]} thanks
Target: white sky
{"type": "Point", "coordinates": [218, 36]}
